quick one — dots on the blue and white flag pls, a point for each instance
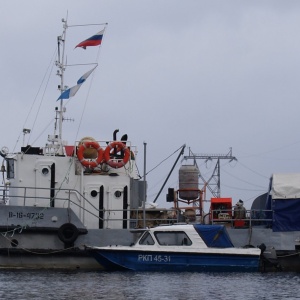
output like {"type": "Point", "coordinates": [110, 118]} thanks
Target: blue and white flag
{"type": "Point", "coordinates": [73, 90]}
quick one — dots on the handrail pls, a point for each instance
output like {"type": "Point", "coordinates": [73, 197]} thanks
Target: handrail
{"type": "Point", "coordinates": [252, 216]}
{"type": "Point", "coordinates": [133, 216]}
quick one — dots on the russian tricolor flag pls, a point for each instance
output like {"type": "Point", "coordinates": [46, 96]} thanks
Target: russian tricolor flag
{"type": "Point", "coordinates": [94, 40]}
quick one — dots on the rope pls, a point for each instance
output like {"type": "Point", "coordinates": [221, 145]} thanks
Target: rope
{"type": "Point", "coordinates": [294, 254]}
{"type": "Point", "coordinates": [90, 85]}
{"type": "Point", "coordinates": [163, 160]}
{"type": "Point", "coordinates": [45, 253]}
{"type": "Point", "coordinates": [35, 98]}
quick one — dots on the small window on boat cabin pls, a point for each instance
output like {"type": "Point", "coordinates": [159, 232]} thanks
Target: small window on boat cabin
{"type": "Point", "coordinates": [173, 238]}
{"type": "Point", "coordinates": [146, 239]}
{"type": "Point", "coordinates": [118, 194]}
{"type": "Point", "coordinates": [10, 168]}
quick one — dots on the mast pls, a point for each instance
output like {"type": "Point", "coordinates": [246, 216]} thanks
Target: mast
{"type": "Point", "coordinates": [60, 72]}
{"type": "Point", "coordinates": [57, 144]}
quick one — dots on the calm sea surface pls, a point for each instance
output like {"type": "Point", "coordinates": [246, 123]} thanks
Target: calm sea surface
{"type": "Point", "coordinates": [128, 285]}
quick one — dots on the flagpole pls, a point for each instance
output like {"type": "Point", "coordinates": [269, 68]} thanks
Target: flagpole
{"type": "Point", "coordinates": [88, 25]}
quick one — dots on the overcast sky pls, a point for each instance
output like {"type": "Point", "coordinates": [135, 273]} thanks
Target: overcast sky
{"type": "Point", "coordinates": [211, 74]}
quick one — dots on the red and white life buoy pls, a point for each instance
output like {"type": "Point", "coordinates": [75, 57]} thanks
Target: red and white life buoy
{"type": "Point", "coordinates": [115, 162]}
{"type": "Point", "coordinates": [90, 163]}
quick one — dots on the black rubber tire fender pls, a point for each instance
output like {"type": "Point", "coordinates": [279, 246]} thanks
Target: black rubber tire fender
{"type": "Point", "coordinates": [68, 233]}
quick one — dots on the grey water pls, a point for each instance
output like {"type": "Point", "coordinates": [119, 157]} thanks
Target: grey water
{"type": "Point", "coordinates": [133, 285]}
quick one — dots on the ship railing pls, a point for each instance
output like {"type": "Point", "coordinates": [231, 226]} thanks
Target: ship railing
{"type": "Point", "coordinates": [39, 195]}
{"type": "Point", "coordinates": [70, 150]}
{"type": "Point", "coordinates": [136, 216]}
{"type": "Point", "coordinates": [250, 218]}
{"type": "Point", "coordinates": [153, 218]}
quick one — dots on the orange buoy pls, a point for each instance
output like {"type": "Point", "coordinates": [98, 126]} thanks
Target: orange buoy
{"type": "Point", "coordinates": [90, 163]}
{"type": "Point", "coordinates": [113, 161]}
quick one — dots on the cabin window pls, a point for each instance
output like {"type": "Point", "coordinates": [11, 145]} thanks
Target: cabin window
{"type": "Point", "coordinates": [147, 239]}
{"type": "Point", "coordinates": [94, 193]}
{"type": "Point", "coordinates": [45, 171]}
{"type": "Point", "coordinates": [10, 168]}
{"type": "Point", "coordinates": [118, 194]}
{"type": "Point", "coordinates": [176, 238]}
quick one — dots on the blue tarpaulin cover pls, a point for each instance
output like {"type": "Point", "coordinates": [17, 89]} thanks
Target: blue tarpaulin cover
{"type": "Point", "coordinates": [286, 214]}
{"type": "Point", "coordinates": [214, 236]}
{"type": "Point", "coordinates": [284, 201]}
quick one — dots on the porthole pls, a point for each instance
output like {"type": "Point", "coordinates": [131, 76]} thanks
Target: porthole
{"type": "Point", "coordinates": [45, 171]}
{"type": "Point", "coordinates": [94, 193]}
{"type": "Point", "coordinates": [14, 243]}
{"type": "Point", "coordinates": [118, 194]}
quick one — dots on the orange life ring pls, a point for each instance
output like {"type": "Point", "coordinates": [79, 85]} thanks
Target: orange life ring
{"type": "Point", "coordinates": [90, 163]}
{"type": "Point", "coordinates": [115, 162]}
